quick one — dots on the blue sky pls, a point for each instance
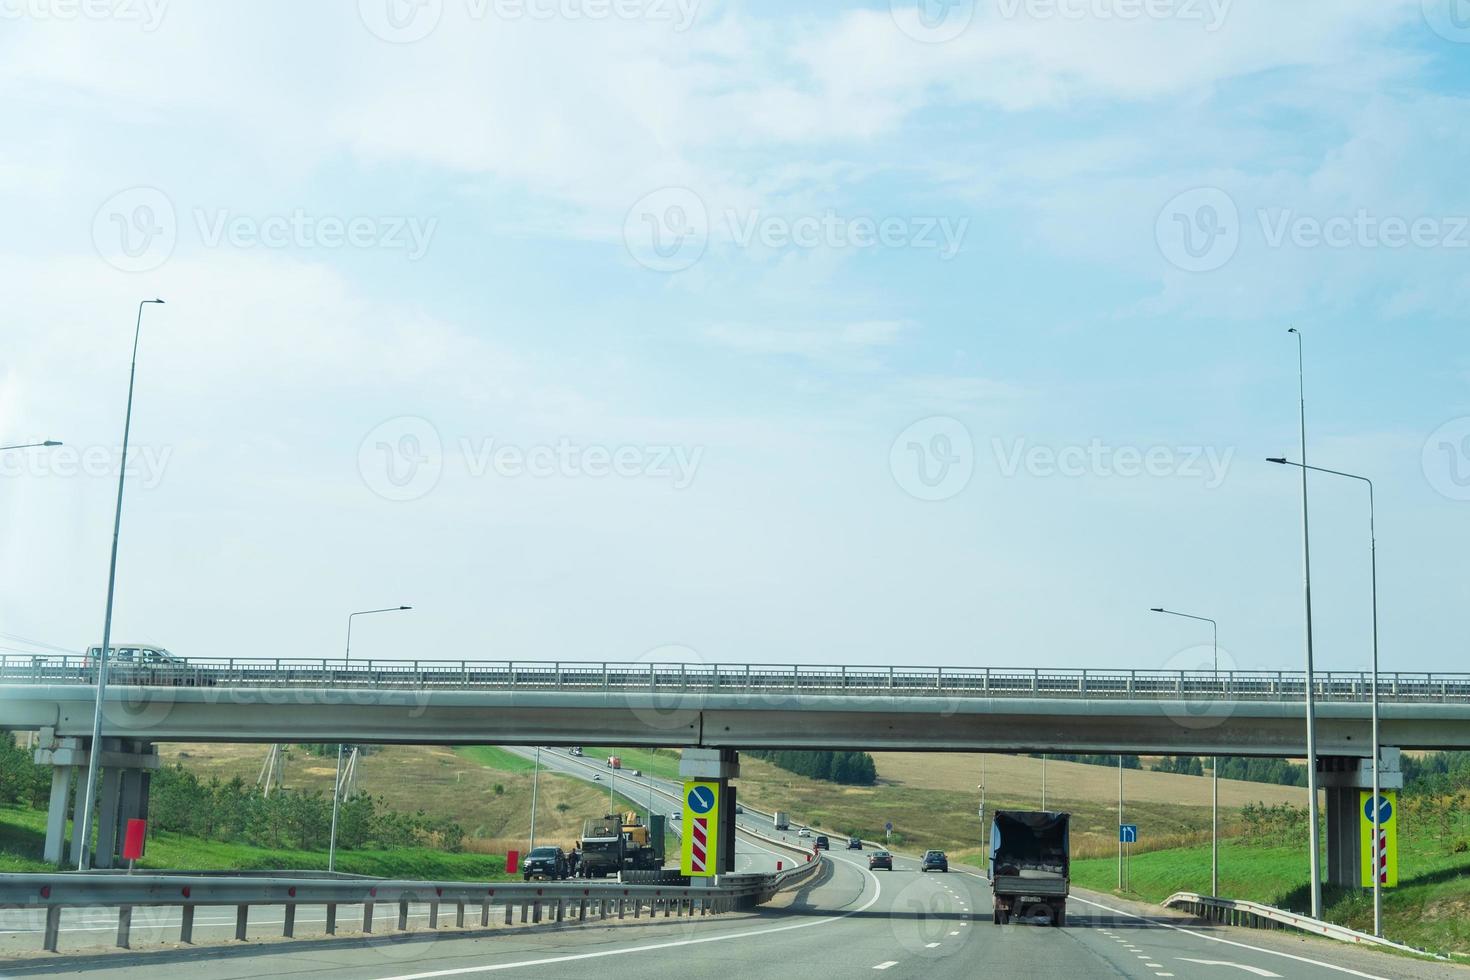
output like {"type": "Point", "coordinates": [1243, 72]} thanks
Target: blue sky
{"type": "Point", "coordinates": [929, 288]}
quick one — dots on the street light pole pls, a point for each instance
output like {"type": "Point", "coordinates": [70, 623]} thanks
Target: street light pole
{"type": "Point", "coordinates": [1314, 842]}
{"type": "Point", "coordinates": [37, 445]}
{"type": "Point", "coordinates": [1373, 565]}
{"type": "Point", "coordinates": [1120, 821]}
{"type": "Point", "coordinates": [94, 754]}
{"type": "Point", "coordinates": [1214, 759]}
{"type": "Point", "coordinates": [337, 781]}
{"type": "Point", "coordinates": [1043, 781]}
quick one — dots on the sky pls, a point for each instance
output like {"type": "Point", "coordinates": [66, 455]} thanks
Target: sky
{"type": "Point", "coordinates": [931, 332]}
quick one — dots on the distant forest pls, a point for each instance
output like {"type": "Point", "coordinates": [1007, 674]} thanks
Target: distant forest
{"type": "Point", "coordinates": [849, 768]}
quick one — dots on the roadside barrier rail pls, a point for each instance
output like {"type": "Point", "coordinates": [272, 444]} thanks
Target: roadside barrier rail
{"type": "Point", "coordinates": [553, 902]}
{"type": "Point", "coordinates": [750, 679]}
{"type": "Point", "coordinates": [1254, 915]}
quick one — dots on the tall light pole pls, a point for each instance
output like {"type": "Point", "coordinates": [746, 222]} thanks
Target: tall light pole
{"type": "Point", "coordinates": [1214, 760]}
{"type": "Point", "coordinates": [1313, 833]}
{"type": "Point", "coordinates": [94, 754]}
{"type": "Point", "coordinates": [1043, 781]}
{"type": "Point", "coordinates": [37, 445]}
{"type": "Point", "coordinates": [1373, 565]}
{"type": "Point", "coordinates": [337, 781]}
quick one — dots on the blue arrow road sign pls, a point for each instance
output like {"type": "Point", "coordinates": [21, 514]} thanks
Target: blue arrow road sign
{"type": "Point", "coordinates": [701, 799]}
{"type": "Point", "coordinates": [888, 826]}
{"type": "Point", "coordinates": [1385, 809]}
{"type": "Point", "coordinates": [1128, 833]}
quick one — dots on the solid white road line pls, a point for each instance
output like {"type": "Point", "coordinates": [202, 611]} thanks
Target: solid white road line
{"type": "Point", "coordinates": [1239, 966]}
{"type": "Point", "coordinates": [672, 944]}
{"type": "Point", "coordinates": [884, 966]}
{"type": "Point", "coordinates": [1231, 942]}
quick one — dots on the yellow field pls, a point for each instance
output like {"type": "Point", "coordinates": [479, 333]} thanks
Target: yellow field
{"type": "Point", "coordinates": [1011, 776]}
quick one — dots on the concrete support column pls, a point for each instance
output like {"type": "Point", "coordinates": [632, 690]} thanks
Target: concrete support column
{"type": "Point", "coordinates": [1343, 780]}
{"type": "Point", "coordinates": [56, 815]}
{"type": "Point", "coordinates": [719, 766]}
{"type": "Point", "coordinates": [108, 798]}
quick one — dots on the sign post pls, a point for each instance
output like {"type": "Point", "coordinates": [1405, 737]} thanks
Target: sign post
{"type": "Point", "coordinates": [888, 831]}
{"type": "Point", "coordinates": [1380, 856]}
{"type": "Point", "coordinates": [1127, 836]}
{"type": "Point", "coordinates": [699, 849]}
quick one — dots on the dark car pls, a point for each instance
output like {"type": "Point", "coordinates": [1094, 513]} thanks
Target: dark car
{"type": "Point", "coordinates": [853, 844]}
{"type": "Point", "coordinates": [934, 861]}
{"type": "Point", "coordinates": [821, 843]}
{"type": "Point", "coordinates": [880, 859]}
{"type": "Point", "coordinates": [545, 862]}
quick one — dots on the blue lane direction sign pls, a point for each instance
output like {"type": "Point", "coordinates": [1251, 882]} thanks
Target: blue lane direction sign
{"type": "Point", "coordinates": [701, 798]}
{"type": "Point", "coordinates": [1128, 833]}
{"type": "Point", "coordinates": [888, 826]}
{"type": "Point", "coordinates": [1385, 810]}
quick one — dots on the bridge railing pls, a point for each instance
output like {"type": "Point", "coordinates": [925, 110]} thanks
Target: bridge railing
{"type": "Point", "coordinates": [757, 679]}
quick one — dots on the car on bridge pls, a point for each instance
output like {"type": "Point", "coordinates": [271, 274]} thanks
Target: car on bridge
{"type": "Point", "coordinates": [935, 861]}
{"type": "Point", "coordinates": [545, 862]}
{"type": "Point", "coordinates": [880, 859]}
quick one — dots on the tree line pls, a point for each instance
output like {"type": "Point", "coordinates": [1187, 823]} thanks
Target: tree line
{"type": "Point", "coordinates": [848, 768]}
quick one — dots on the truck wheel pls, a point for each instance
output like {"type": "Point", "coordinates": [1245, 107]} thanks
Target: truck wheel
{"type": "Point", "coordinates": [1058, 915]}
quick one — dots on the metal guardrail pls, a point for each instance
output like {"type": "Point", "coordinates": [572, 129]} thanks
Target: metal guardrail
{"type": "Point", "coordinates": [1254, 915]}
{"type": "Point", "coordinates": [751, 679]}
{"type": "Point", "coordinates": [554, 902]}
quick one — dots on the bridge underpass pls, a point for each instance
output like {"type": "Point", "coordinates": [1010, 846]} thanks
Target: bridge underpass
{"type": "Point", "coordinates": [721, 709]}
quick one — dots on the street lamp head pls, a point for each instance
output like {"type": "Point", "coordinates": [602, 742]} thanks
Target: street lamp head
{"type": "Point", "coordinates": [51, 442]}
{"type": "Point", "coordinates": [1276, 459]}
{"type": "Point", "coordinates": [158, 301]}
{"type": "Point", "coordinates": [405, 607]}
{"type": "Point", "coordinates": [1156, 609]}
{"type": "Point", "coordinates": [1293, 330]}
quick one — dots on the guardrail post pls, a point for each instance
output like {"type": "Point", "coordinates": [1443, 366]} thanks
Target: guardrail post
{"type": "Point", "coordinates": [434, 913]}
{"type": "Point", "coordinates": [459, 915]}
{"type": "Point", "coordinates": [242, 921]}
{"type": "Point", "coordinates": [509, 913]}
{"type": "Point", "coordinates": [535, 912]}
{"type": "Point", "coordinates": [331, 918]}
{"type": "Point", "coordinates": [637, 907]}
{"type": "Point", "coordinates": [561, 909]}
{"type": "Point", "coordinates": [53, 928]}
{"type": "Point", "coordinates": [1084, 682]}
{"type": "Point", "coordinates": [402, 914]}
{"type": "Point", "coordinates": [367, 916]}
{"type": "Point", "coordinates": [525, 912]}
{"type": "Point", "coordinates": [124, 925]}
{"type": "Point", "coordinates": [186, 926]}
{"type": "Point", "coordinates": [1035, 679]}
{"type": "Point", "coordinates": [288, 930]}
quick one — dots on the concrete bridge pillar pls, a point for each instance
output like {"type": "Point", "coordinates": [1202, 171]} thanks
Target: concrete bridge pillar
{"type": "Point", "coordinates": [720, 766]}
{"type": "Point", "coordinates": [1343, 780]}
{"type": "Point", "coordinates": [122, 795]}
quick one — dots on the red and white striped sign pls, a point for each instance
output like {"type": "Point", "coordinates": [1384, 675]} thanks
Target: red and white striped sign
{"type": "Point", "coordinates": [699, 844]}
{"type": "Point", "coordinates": [1383, 856]}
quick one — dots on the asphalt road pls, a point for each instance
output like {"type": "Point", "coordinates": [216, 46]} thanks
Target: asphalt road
{"type": "Point", "coordinates": [847, 922]}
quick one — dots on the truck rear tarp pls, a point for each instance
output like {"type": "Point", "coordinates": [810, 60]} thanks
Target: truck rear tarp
{"type": "Point", "coordinates": [1030, 841]}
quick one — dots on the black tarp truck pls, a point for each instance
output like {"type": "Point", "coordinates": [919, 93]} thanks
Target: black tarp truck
{"type": "Point", "coordinates": [1030, 865]}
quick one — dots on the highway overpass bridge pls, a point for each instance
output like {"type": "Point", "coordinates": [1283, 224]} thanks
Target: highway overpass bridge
{"type": "Point", "coordinates": [725, 707]}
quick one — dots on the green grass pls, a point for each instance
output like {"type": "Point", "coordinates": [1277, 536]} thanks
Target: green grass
{"type": "Point", "coordinates": [1430, 908]}
{"type": "Point", "coordinates": [22, 831]}
{"type": "Point", "coordinates": [663, 763]}
{"type": "Point", "coordinates": [495, 758]}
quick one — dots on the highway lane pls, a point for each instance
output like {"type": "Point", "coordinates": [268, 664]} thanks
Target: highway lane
{"type": "Point", "coordinates": [850, 922]}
